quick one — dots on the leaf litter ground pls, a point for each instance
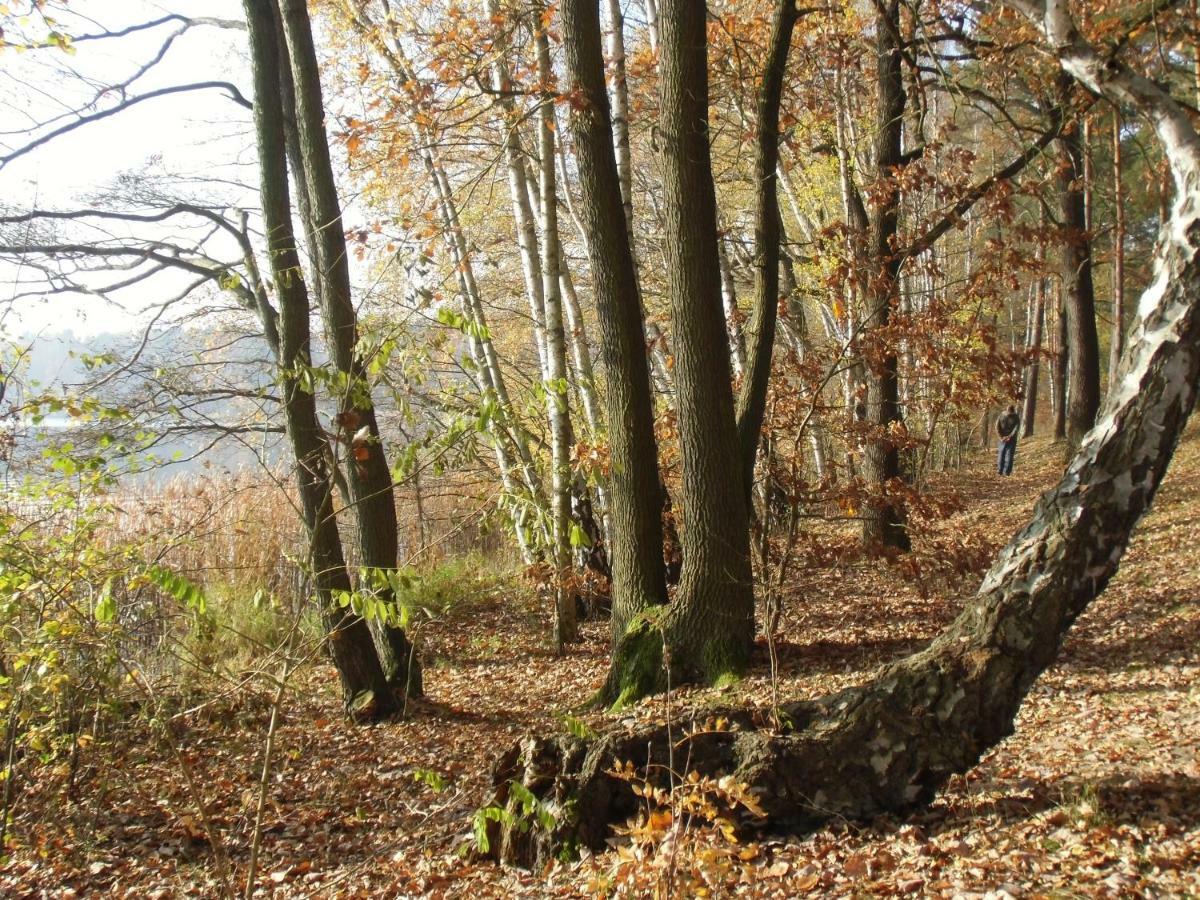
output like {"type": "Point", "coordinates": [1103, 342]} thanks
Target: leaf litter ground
{"type": "Point", "coordinates": [1097, 794]}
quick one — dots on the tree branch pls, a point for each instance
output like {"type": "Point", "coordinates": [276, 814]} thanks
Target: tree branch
{"type": "Point", "coordinates": [231, 89]}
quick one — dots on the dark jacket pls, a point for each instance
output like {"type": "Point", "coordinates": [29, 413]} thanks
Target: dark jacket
{"type": "Point", "coordinates": [1007, 425]}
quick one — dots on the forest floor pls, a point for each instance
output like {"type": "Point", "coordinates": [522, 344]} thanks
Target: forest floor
{"type": "Point", "coordinates": [1096, 794]}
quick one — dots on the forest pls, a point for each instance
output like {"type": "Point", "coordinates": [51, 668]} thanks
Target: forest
{"type": "Point", "coordinates": [599, 448]}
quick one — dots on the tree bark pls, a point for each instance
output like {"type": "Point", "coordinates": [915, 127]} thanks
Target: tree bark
{"type": "Point", "coordinates": [707, 631]}
{"type": "Point", "coordinates": [752, 399]}
{"type": "Point", "coordinates": [523, 216]}
{"type": "Point", "coordinates": [1058, 375]}
{"type": "Point", "coordinates": [884, 517]}
{"type": "Point", "coordinates": [636, 538]}
{"type": "Point", "coordinates": [1033, 369]}
{"type": "Point", "coordinates": [1117, 344]}
{"type": "Point", "coordinates": [510, 440]}
{"type": "Point", "coordinates": [1083, 392]}
{"type": "Point", "coordinates": [737, 341]}
{"type": "Point", "coordinates": [365, 688]}
{"type": "Point", "coordinates": [891, 744]}
{"type": "Point", "coordinates": [566, 628]}
{"type": "Point", "coordinates": [368, 474]}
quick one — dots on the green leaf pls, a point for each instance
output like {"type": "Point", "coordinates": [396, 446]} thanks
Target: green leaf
{"type": "Point", "coordinates": [579, 537]}
{"type": "Point", "coordinates": [183, 590]}
{"type": "Point", "coordinates": [106, 605]}
{"type": "Point", "coordinates": [451, 319]}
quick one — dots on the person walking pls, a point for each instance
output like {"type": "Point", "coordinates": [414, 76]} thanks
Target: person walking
{"type": "Point", "coordinates": [1007, 427]}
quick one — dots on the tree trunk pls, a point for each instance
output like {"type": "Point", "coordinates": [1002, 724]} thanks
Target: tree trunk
{"type": "Point", "coordinates": [510, 441]}
{"type": "Point", "coordinates": [365, 688]}
{"type": "Point", "coordinates": [620, 110]}
{"type": "Point", "coordinates": [368, 474]}
{"type": "Point", "coordinates": [636, 538]}
{"type": "Point", "coordinates": [1117, 344]}
{"type": "Point", "coordinates": [523, 216]}
{"type": "Point", "coordinates": [752, 399]}
{"type": "Point", "coordinates": [1058, 375]}
{"type": "Point", "coordinates": [884, 517]}
{"type": "Point", "coordinates": [737, 342]}
{"type": "Point", "coordinates": [891, 744]}
{"type": "Point", "coordinates": [1083, 393]}
{"type": "Point", "coordinates": [1033, 370]}
{"type": "Point", "coordinates": [566, 629]}
{"type": "Point", "coordinates": [707, 631]}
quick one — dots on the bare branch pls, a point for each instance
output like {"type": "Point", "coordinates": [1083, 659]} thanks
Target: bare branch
{"type": "Point", "coordinates": [231, 89]}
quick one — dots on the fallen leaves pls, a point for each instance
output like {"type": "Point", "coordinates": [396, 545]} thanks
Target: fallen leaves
{"type": "Point", "coordinates": [1096, 794]}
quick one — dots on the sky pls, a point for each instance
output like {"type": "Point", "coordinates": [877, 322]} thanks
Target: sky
{"type": "Point", "coordinates": [199, 135]}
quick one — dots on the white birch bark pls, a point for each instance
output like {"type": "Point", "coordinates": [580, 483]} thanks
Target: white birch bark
{"type": "Point", "coordinates": [565, 626]}
{"type": "Point", "coordinates": [737, 344]}
{"type": "Point", "coordinates": [523, 216]}
{"type": "Point", "coordinates": [509, 438]}
{"type": "Point", "coordinates": [651, 9]}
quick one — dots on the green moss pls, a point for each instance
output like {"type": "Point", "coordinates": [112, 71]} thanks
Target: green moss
{"type": "Point", "coordinates": [637, 666]}
{"type": "Point", "coordinates": [725, 679]}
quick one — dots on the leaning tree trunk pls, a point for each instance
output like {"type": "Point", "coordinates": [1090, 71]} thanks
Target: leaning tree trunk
{"type": "Point", "coordinates": [891, 744]}
{"type": "Point", "coordinates": [365, 687]}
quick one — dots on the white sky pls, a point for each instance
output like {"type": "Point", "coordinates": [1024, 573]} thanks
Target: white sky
{"type": "Point", "coordinates": [196, 135]}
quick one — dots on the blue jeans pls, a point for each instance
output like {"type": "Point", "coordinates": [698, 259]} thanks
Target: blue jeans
{"type": "Point", "coordinates": [1004, 462]}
